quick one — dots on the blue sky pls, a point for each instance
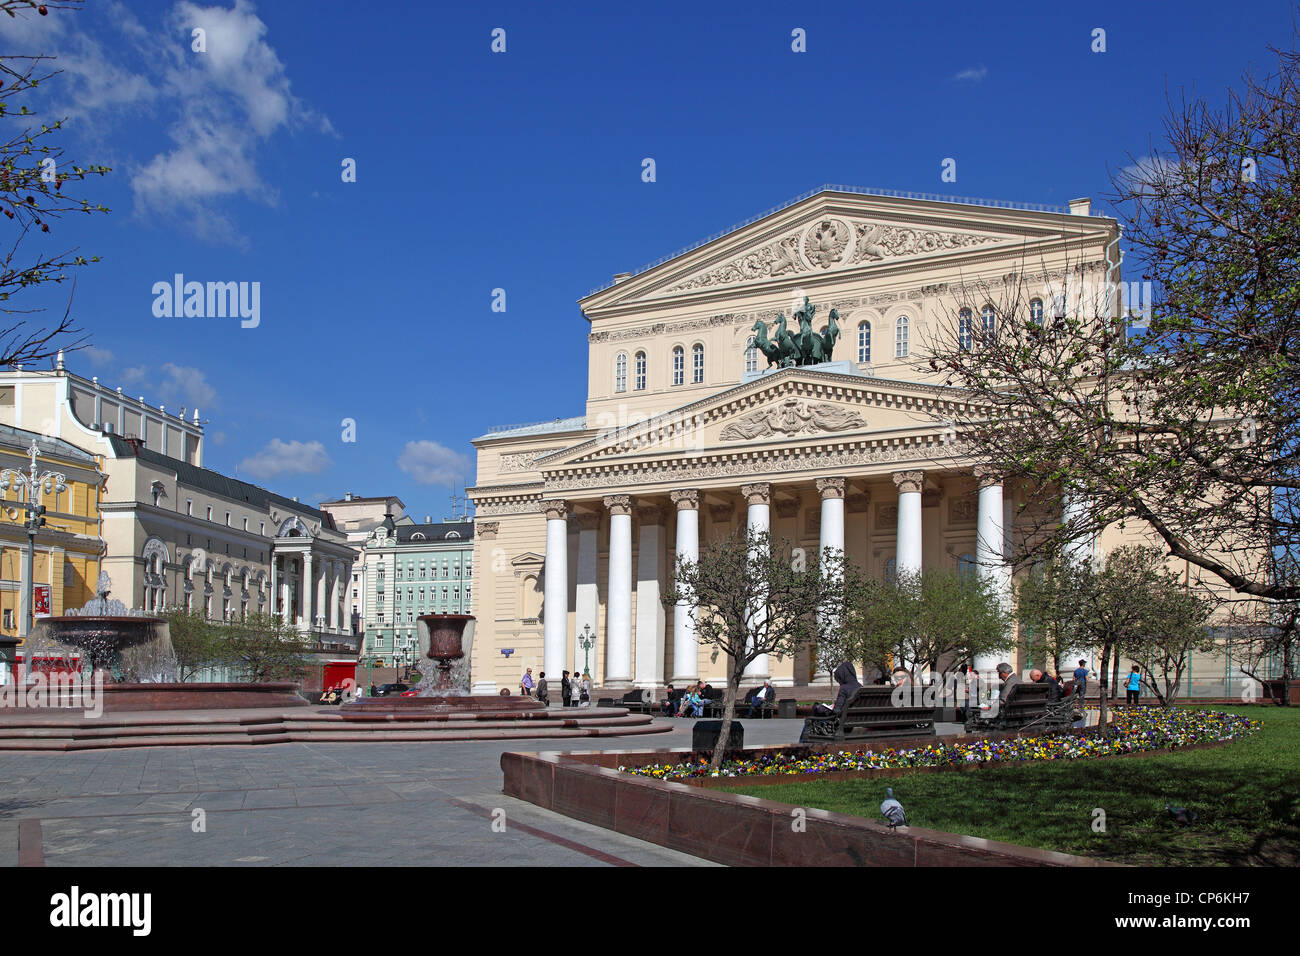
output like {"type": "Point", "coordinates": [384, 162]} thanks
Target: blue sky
{"type": "Point", "coordinates": [522, 171]}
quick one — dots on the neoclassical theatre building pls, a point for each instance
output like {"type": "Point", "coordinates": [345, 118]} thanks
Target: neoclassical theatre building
{"type": "Point", "coordinates": [688, 434]}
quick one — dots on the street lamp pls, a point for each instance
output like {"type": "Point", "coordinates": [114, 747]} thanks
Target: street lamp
{"type": "Point", "coordinates": [33, 483]}
{"type": "Point", "coordinates": [586, 640]}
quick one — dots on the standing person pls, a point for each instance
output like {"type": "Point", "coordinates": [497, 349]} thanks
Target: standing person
{"type": "Point", "coordinates": [526, 683]}
{"type": "Point", "coordinates": [1081, 679]}
{"type": "Point", "coordinates": [1133, 690]}
{"type": "Point", "coordinates": [542, 694]}
{"type": "Point", "coordinates": [566, 688]}
{"type": "Point", "coordinates": [585, 691]}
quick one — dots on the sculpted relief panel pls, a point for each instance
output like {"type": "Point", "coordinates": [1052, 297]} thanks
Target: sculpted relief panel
{"type": "Point", "coordinates": [794, 416]}
{"type": "Point", "coordinates": [827, 243]}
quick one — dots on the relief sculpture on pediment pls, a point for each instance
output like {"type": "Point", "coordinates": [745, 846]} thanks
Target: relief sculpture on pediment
{"type": "Point", "coordinates": [794, 416]}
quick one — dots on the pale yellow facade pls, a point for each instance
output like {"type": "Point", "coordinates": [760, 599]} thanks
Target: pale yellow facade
{"type": "Point", "coordinates": [682, 436]}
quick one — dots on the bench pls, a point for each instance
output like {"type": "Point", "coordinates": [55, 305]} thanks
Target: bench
{"type": "Point", "coordinates": [869, 714]}
{"type": "Point", "coordinates": [1027, 707]}
{"type": "Point", "coordinates": [638, 701]}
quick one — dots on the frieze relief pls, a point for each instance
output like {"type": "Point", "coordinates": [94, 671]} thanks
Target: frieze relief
{"type": "Point", "coordinates": [520, 461]}
{"type": "Point", "coordinates": [829, 242]}
{"type": "Point", "coordinates": [793, 416]}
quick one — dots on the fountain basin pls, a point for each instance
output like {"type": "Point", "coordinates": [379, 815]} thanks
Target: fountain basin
{"type": "Point", "coordinates": [507, 707]}
{"type": "Point", "coordinates": [125, 698]}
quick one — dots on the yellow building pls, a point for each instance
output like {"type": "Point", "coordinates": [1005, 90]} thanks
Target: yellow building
{"type": "Point", "coordinates": [69, 546]}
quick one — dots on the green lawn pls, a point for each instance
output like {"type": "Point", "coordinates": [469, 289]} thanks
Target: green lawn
{"type": "Point", "coordinates": [1246, 793]}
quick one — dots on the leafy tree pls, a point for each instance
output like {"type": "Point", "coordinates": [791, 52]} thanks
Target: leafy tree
{"type": "Point", "coordinates": [1190, 428]}
{"type": "Point", "coordinates": [923, 621]}
{"type": "Point", "coordinates": [33, 172]}
{"type": "Point", "coordinates": [1173, 626]}
{"type": "Point", "coordinates": [1048, 607]}
{"type": "Point", "coordinates": [196, 642]}
{"type": "Point", "coordinates": [264, 647]}
{"type": "Point", "coordinates": [748, 597]}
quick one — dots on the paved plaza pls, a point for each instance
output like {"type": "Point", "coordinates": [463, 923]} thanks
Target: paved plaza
{"type": "Point", "coordinates": [301, 804]}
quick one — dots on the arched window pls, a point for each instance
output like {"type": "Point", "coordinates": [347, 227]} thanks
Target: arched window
{"type": "Point", "coordinates": [989, 317]}
{"type": "Point", "coordinates": [751, 355]}
{"type": "Point", "coordinates": [1036, 311]}
{"type": "Point", "coordinates": [679, 365]}
{"type": "Point", "coordinates": [864, 341]}
{"type": "Point", "coordinates": [902, 336]}
{"type": "Point", "coordinates": [620, 372]}
{"type": "Point", "coordinates": [697, 364]}
{"type": "Point", "coordinates": [963, 329]}
{"type": "Point", "coordinates": [639, 384]}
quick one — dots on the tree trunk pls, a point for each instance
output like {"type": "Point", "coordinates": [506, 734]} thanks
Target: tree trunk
{"type": "Point", "coordinates": [728, 711]}
{"type": "Point", "coordinates": [1102, 688]}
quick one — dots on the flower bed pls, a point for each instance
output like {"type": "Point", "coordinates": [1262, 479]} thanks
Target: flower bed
{"type": "Point", "coordinates": [1132, 731]}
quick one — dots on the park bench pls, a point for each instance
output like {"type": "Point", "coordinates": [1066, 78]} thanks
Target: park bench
{"type": "Point", "coordinates": [1026, 707]}
{"type": "Point", "coordinates": [869, 714]}
{"type": "Point", "coordinates": [638, 701]}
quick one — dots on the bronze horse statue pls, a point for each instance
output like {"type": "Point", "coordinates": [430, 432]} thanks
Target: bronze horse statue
{"type": "Point", "coordinates": [804, 347]}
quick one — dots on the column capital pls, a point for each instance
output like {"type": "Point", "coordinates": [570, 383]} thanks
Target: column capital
{"type": "Point", "coordinates": [759, 493]}
{"type": "Point", "coordinates": [618, 504]}
{"type": "Point", "coordinates": [487, 529]}
{"type": "Point", "coordinates": [987, 475]}
{"type": "Point", "coordinates": [686, 499]}
{"type": "Point", "coordinates": [585, 520]}
{"type": "Point", "coordinates": [909, 480]}
{"type": "Point", "coordinates": [555, 508]}
{"type": "Point", "coordinates": [830, 487]}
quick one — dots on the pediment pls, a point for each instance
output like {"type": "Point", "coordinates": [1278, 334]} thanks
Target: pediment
{"type": "Point", "coordinates": [840, 232]}
{"type": "Point", "coordinates": [794, 406]}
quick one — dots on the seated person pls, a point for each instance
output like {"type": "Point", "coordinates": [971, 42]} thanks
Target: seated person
{"type": "Point", "coordinates": [670, 704]}
{"type": "Point", "coordinates": [1042, 677]}
{"type": "Point", "coordinates": [847, 677]}
{"type": "Point", "coordinates": [760, 697]}
{"type": "Point", "coordinates": [691, 702]}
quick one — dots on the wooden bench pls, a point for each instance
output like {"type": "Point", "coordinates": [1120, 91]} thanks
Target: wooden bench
{"type": "Point", "coordinates": [638, 701]}
{"type": "Point", "coordinates": [1027, 707]}
{"type": "Point", "coordinates": [870, 713]}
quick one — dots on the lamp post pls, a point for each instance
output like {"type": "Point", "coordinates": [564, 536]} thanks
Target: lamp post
{"type": "Point", "coordinates": [33, 483]}
{"type": "Point", "coordinates": [586, 640]}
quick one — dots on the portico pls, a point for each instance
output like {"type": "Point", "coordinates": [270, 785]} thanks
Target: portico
{"type": "Point", "coordinates": [809, 411]}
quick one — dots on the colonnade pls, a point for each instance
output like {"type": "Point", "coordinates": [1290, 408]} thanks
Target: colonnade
{"type": "Point", "coordinates": [647, 629]}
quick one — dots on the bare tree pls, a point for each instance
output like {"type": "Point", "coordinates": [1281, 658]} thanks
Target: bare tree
{"type": "Point", "coordinates": [33, 172]}
{"type": "Point", "coordinates": [1190, 428]}
{"type": "Point", "coordinates": [748, 598]}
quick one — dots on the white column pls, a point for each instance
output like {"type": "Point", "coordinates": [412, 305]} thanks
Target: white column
{"type": "Point", "coordinates": [284, 591]}
{"type": "Point", "coordinates": [555, 593]}
{"type": "Point", "coordinates": [759, 496]}
{"type": "Point", "coordinates": [618, 616]}
{"type": "Point", "coordinates": [686, 647]}
{"type": "Point", "coordinates": [832, 528]}
{"type": "Point", "coordinates": [336, 596]}
{"type": "Point", "coordinates": [587, 595]}
{"type": "Point", "coordinates": [649, 605]}
{"type": "Point", "coordinates": [320, 596]}
{"type": "Point", "coordinates": [305, 591]}
{"type": "Point", "coordinates": [990, 544]}
{"type": "Point", "coordinates": [907, 557]}
{"type": "Point", "coordinates": [1081, 548]}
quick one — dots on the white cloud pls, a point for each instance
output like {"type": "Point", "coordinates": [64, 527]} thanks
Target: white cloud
{"type": "Point", "coordinates": [429, 463]}
{"type": "Point", "coordinates": [185, 386]}
{"type": "Point", "coordinates": [972, 74]}
{"type": "Point", "coordinates": [287, 458]}
{"type": "Point", "coordinates": [96, 356]}
{"type": "Point", "coordinates": [1146, 175]}
{"type": "Point", "coordinates": [219, 108]}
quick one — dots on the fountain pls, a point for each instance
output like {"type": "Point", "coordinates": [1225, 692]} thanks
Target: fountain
{"type": "Point", "coordinates": [131, 653]}
{"type": "Point", "coordinates": [445, 638]}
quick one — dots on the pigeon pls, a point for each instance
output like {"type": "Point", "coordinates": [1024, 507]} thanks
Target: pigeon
{"type": "Point", "coordinates": [1181, 815]}
{"type": "Point", "coordinates": [893, 810]}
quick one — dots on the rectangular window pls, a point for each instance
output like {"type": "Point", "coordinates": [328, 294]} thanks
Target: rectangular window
{"type": "Point", "coordinates": [209, 512]}
{"type": "Point", "coordinates": [245, 524]}
{"type": "Point", "coordinates": [9, 619]}
{"type": "Point", "coordinates": [189, 507]}
{"type": "Point", "coordinates": [227, 519]}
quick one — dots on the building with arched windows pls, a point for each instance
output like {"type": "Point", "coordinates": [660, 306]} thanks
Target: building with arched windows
{"type": "Point", "coordinates": [579, 520]}
{"type": "Point", "coordinates": [176, 534]}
